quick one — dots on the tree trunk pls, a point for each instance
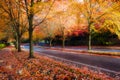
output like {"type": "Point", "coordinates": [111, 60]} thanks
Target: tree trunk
{"type": "Point", "coordinates": [50, 43]}
{"type": "Point", "coordinates": [19, 44]}
{"type": "Point", "coordinates": [89, 42]}
{"type": "Point", "coordinates": [30, 18]}
{"type": "Point", "coordinates": [63, 42]}
{"type": "Point", "coordinates": [89, 37]}
{"type": "Point", "coordinates": [19, 37]}
{"type": "Point", "coordinates": [16, 42]}
{"type": "Point", "coordinates": [30, 44]}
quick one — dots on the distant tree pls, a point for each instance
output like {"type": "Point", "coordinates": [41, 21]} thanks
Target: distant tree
{"type": "Point", "coordinates": [63, 24]}
{"type": "Point", "coordinates": [50, 29]}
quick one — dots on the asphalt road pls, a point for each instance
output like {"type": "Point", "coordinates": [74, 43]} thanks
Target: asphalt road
{"type": "Point", "coordinates": [105, 62]}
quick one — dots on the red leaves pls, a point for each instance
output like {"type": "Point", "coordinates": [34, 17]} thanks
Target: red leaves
{"type": "Point", "coordinates": [41, 68]}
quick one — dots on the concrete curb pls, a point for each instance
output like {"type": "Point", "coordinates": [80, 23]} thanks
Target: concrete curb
{"type": "Point", "coordinates": [86, 51]}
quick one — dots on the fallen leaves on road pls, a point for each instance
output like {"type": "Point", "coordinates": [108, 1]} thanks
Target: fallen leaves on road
{"type": "Point", "coordinates": [17, 66]}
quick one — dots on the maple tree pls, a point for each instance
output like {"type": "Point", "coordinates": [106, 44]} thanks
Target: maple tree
{"type": "Point", "coordinates": [13, 14]}
{"type": "Point", "coordinates": [21, 15]}
{"type": "Point", "coordinates": [3, 31]}
{"type": "Point", "coordinates": [39, 9]}
{"type": "Point", "coordinates": [49, 28]}
{"type": "Point", "coordinates": [63, 20]}
{"type": "Point", "coordinates": [112, 21]}
{"type": "Point", "coordinates": [75, 11]}
{"type": "Point", "coordinates": [62, 26]}
{"type": "Point", "coordinates": [38, 35]}
{"type": "Point", "coordinates": [91, 11]}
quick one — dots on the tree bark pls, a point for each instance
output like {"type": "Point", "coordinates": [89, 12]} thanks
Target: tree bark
{"type": "Point", "coordinates": [30, 16]}
{"type": "Point", "coordinates": [63, 42]}
{"type": "Point", "coordinates": [19, 37]}
{"type": "Point", "coordinates": [30, 45]}
{"type": "Point", "coordinates": [19, 44]}
{"type": "Point", "coordinates": [50, 43]}
{"type": "Point", "coordinates": [16, 41]}
{"type": "Point", "coordinates": [30, 41]}
{"type": "Point", "coordinates": [89, 37]}
{"type": "Point", "coordinates": [30, 36]}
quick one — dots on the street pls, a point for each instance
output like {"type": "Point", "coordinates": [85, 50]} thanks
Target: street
{"type": "Point", "coordinates": [107, 63]}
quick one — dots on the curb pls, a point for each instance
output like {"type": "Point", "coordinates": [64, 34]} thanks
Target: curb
{"type": "Point", "coordinates": [87, 51]}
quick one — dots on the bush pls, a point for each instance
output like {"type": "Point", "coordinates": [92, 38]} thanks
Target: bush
{"type": "Point", "coordinates": [2, 45]}
{"type": "Point", "coordinates": [105, 38]}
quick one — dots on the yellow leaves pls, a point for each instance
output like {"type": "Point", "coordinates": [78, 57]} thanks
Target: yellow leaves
{"type": "Point", "coordinates": [39, 7]}
{"type": "Point", "coordinates": [2, 35]}
{"type": "Point", "coordinates": [25, 35]}
{"type": "Point", "coordinates": [38, 35]}
{"type": "Point", "coordinates": [113, 26]}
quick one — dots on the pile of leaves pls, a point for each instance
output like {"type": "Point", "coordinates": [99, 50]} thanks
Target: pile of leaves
{"type": "Point", "coordinates": [17, 66]}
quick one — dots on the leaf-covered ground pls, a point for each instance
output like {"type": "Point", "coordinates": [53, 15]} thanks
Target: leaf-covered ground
{"type": "Point", "coordinates": [17, 66]}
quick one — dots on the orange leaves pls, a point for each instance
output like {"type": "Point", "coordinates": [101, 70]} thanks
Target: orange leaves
{"type": "Point", "coordinates": [42, 68]}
